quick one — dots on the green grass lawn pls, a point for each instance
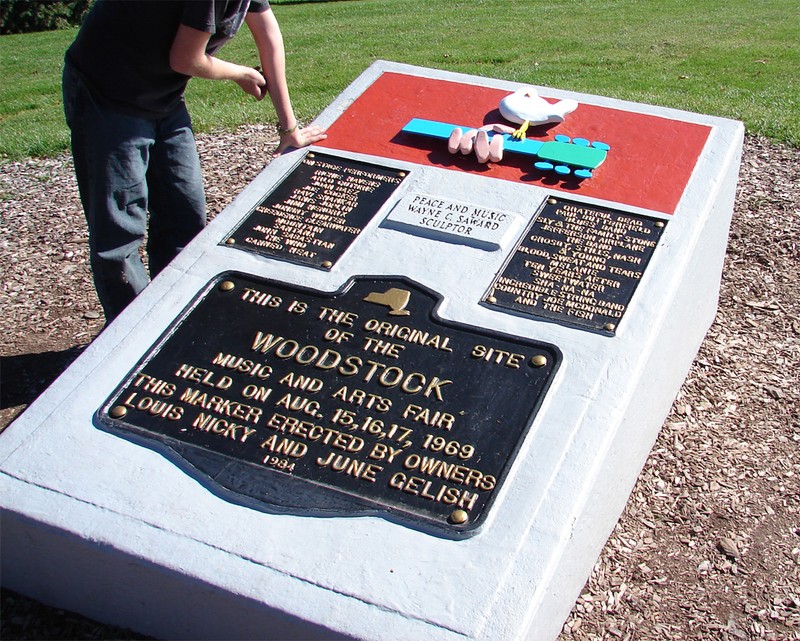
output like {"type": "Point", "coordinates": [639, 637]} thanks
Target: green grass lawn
{"type": "Point", "coordinates": [726, 58]}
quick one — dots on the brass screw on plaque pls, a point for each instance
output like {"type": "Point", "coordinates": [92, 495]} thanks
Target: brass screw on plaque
{"type": "Point", "coordinates": [459, 517]}
{"type": "Point", "coordinates": [659, 223]}
{"type": "Point", "coordinates": [230, 241]}
{"type": "Point", "coordinates": [327, 264]}
{"type": "Point", "coordinates": [401, 174]}
{"type": "Point", "coordinates": [226, 286]}
{"type": "Point", "coordinates": [609, 327]}
{"type": "Point", "coordinates": [491, 300]}
{"type": "Point", "coordinates": [118, 411]}
{"type": "Point", "coordinates": [540, 360]}
{"type": "Point", "coordinates": [552, 201]}
{"type": "Point", "coordinates": [310, 155]}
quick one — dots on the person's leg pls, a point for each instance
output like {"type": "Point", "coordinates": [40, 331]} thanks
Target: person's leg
{"type": "Point", "coordinates": [177, 198]}
{"type": "Point", "coordinates": [111, 153]}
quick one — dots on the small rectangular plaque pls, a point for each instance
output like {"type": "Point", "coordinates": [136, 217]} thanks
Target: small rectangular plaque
{"type": "Point", "coordinates": [357, 402]}
{"type": "Point", "coordinates": [317, 211]}
{"type": "Point", "coordinates": [577, 264]}
{"type": "Point", "coordinates": [447, 219]}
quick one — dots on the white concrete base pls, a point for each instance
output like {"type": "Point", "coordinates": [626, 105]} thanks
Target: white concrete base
{"type": "Point", "coordinates": [97, 524]}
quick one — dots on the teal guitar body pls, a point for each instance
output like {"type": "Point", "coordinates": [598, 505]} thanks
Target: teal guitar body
{"type": "Point", "coordinates": [564, 156]}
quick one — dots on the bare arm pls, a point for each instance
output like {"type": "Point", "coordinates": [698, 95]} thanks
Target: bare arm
{"type": "Point", "coordinates": [269, 41]}
{"type": "Point", "coordinates": [188, 56]}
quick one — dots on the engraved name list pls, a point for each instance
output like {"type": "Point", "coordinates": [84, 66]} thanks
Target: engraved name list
{"type": "Point", "coordinates": [578, 264]}
{"type": "Point", "coordinates": [317, 211]}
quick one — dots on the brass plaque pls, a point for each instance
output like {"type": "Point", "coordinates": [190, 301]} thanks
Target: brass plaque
{"type": "Point", "coordinates": [317, 211]}
{"type": "Point", "coordinates": [577, 264]}
{"type": "Point", "coordinates": [352, 403]}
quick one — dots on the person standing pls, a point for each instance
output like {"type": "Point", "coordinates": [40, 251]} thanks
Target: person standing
{"type": "Point", "coordinates": [132, 142]}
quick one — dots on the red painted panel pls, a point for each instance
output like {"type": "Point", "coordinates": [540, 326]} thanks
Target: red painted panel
{"type": "Point", "coordinates": [649, 165]}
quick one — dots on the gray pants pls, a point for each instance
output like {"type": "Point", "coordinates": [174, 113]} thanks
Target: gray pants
{"type": "Point", "coordinates": [127, 166]}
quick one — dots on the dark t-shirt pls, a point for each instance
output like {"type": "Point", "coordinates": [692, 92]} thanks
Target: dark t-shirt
{"type": "Point", "coordinates": [122, 48]}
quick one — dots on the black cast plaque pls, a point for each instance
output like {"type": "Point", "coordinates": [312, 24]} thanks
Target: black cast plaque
{"type": "Point", "coordinates": [358, 402]}
{"type": "Point", "coordinates": [577, 264]}
{"type": "Point", "coordinates": [317, 210]}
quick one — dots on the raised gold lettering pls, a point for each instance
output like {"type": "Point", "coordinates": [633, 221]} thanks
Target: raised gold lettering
{"type": "Point", "coordinates": [222, 427]}
{"type": "Point", "coordinates": [153, 385]}
{"type": "Point", "coordinates": [429, 417]}
{"type": "Point", "coordinates": [364, 399]}
{"type": "Point", "coordinates": [453, 472]}
{"type": "Point", "coordinates": [350, 466]}
{"type": "Point", "coordinates": [498, 356]}
{"type": "Point", "coordinates": [220, 405]}
{"type": "Point", "coordinates": [426, 489]}
{"type": "Point", "coordinates": [153, 406]}
{"type": "Point", "coordinates": [304, 383]}
{"type": "Point", "coordinates": [285, 446]}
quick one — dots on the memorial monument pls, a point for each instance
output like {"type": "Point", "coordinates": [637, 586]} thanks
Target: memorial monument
{"type": "Point", "coordinates": [399, 389]}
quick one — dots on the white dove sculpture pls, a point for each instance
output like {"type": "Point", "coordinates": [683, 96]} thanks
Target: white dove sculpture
{"type": "Point", "coordinates": [525, 107]}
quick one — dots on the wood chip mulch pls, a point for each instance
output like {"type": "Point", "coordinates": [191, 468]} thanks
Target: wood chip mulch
{"type": "Point", "coordinates": [708, 546]}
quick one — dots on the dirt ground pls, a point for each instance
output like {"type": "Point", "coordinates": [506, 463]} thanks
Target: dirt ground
{"type": "Point", "coordinates": [709, 544]}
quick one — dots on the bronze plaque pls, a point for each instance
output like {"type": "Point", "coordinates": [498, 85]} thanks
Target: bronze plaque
{"type": "Point", "coordinates": [577, 264]}
{"type": "Point", "coordinates": [317, 210]}
{"type": "Point", "coordinates": [352, 403]}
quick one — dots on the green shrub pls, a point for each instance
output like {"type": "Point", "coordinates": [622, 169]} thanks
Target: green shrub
{"type": "Point", "coordinates": [26, 16]}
